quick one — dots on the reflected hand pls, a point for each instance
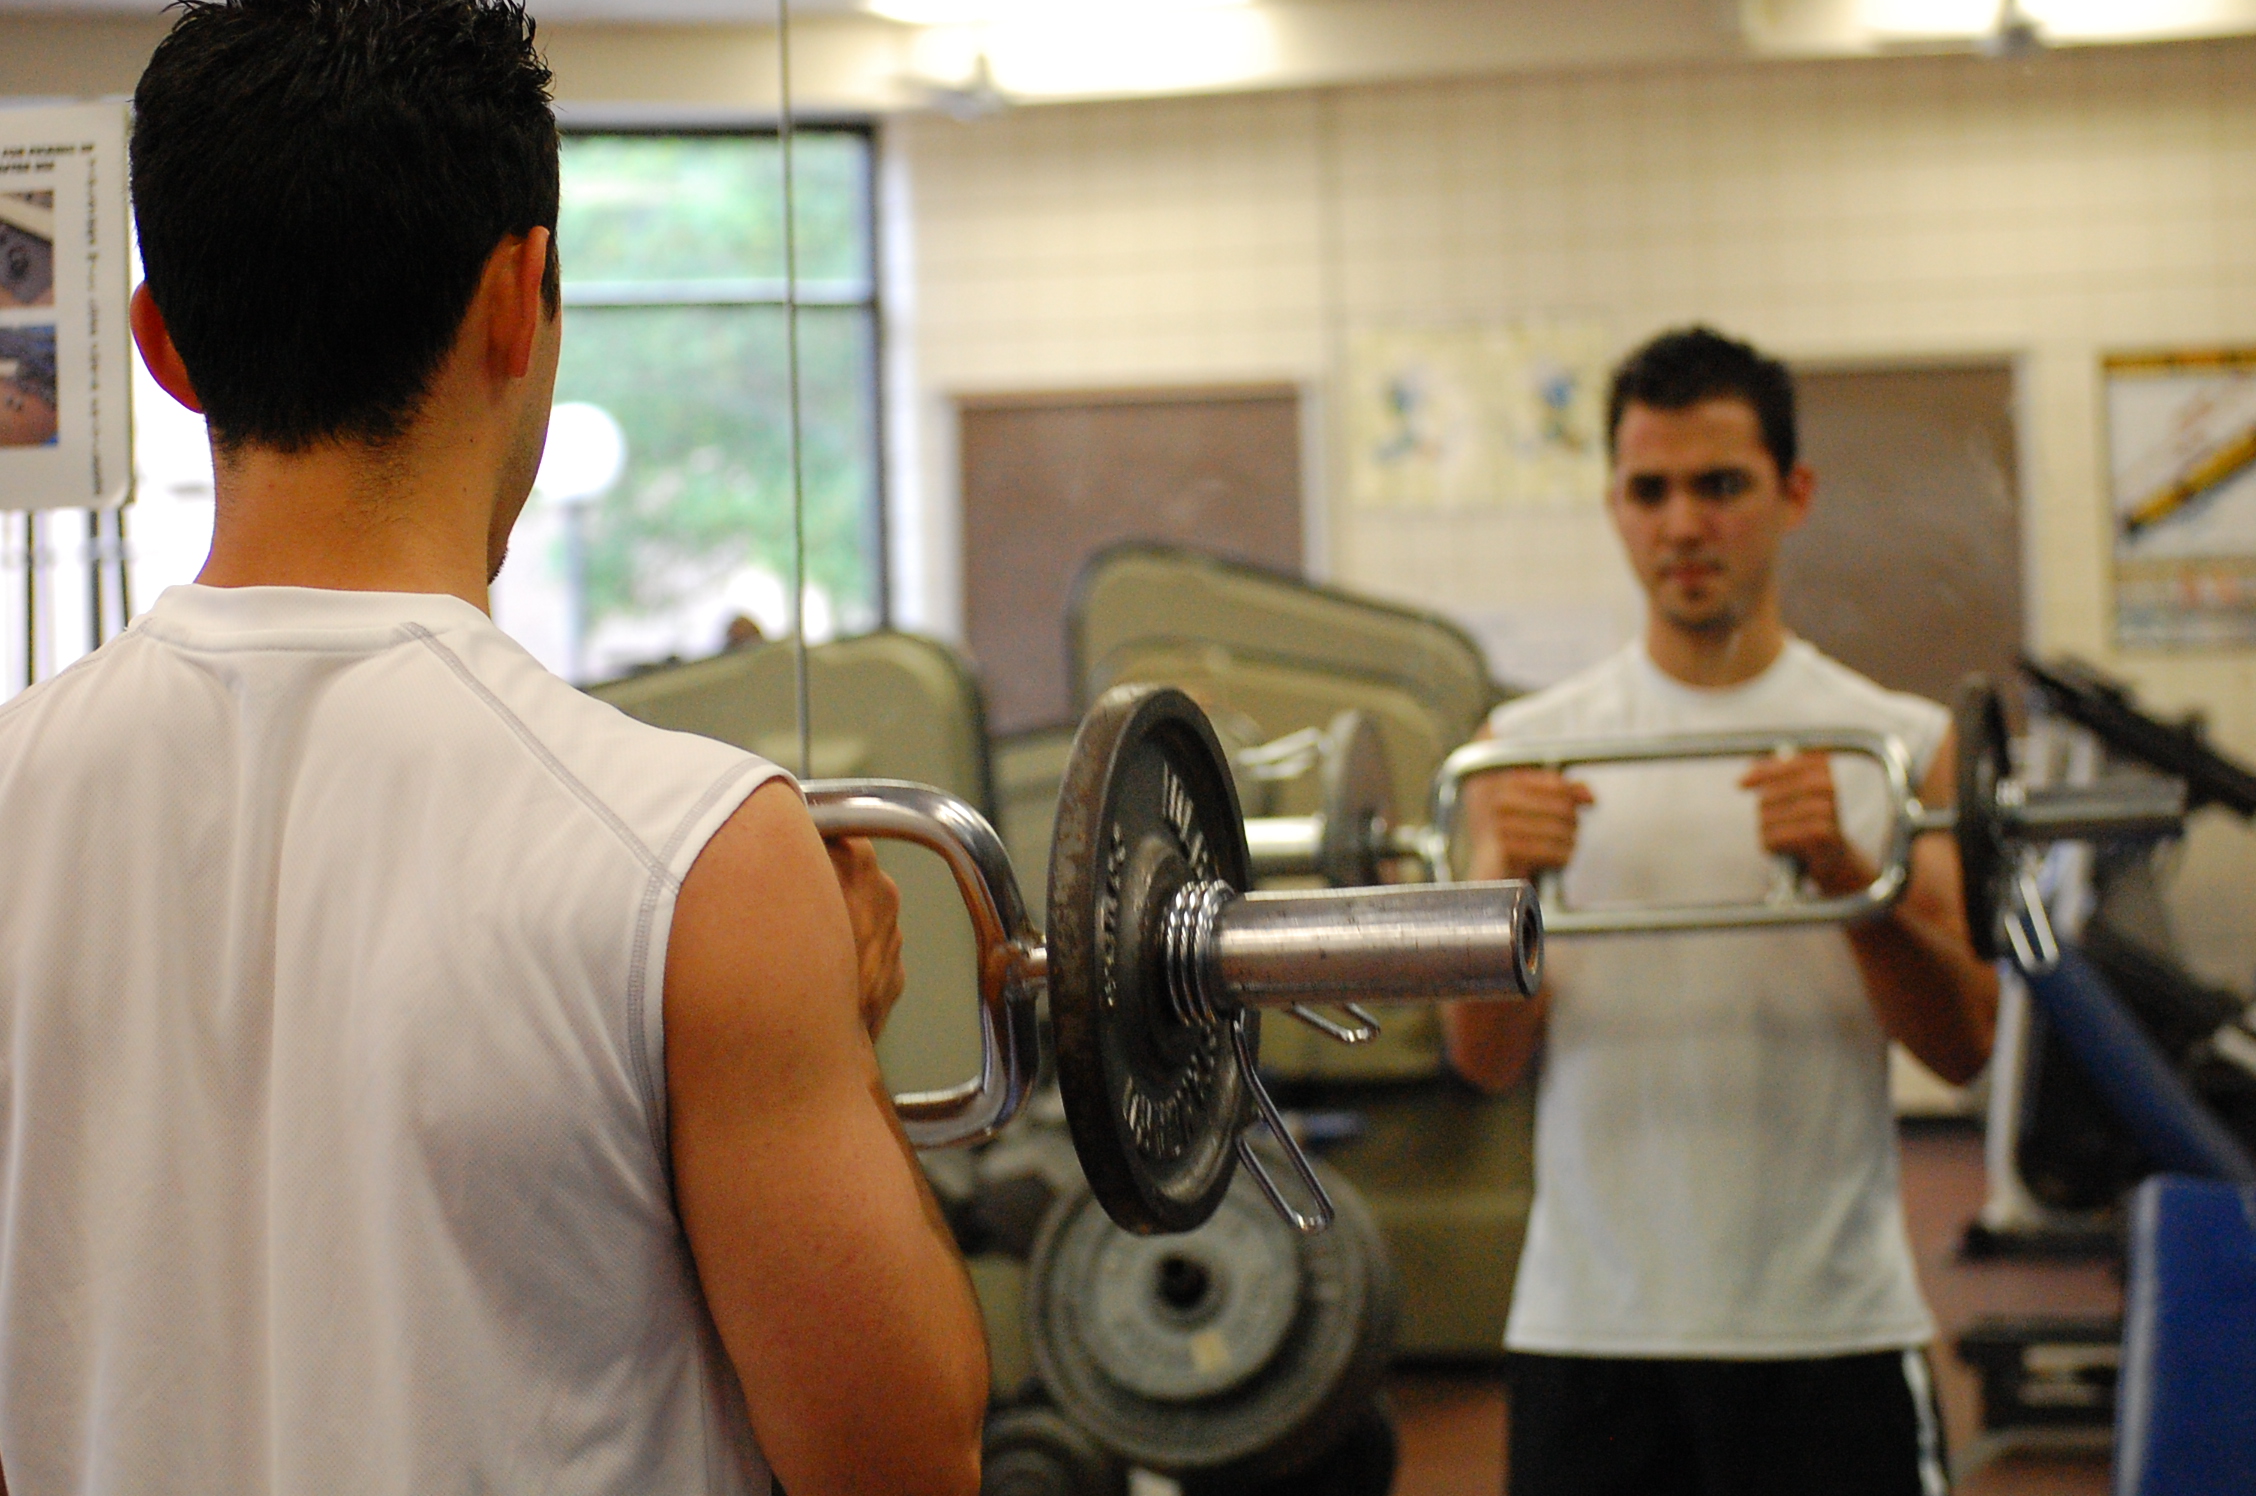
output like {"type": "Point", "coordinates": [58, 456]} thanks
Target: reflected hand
{"type": "Point", "coordinates": [1801, 818]}
{"type": "Point", "coordinates": [1523, 821]}
{"type": "Point", "coordinates": [873, 902]}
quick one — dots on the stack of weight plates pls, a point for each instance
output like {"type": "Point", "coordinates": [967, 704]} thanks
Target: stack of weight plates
{"type": "Point", "coordinates": [1235, 1357]}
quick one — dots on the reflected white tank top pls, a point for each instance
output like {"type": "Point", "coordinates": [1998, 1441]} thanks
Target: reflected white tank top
{"type": "Point", "coordinates": [1715, 1150]}
{"type": "Point", "coordinates": [332, 1097]}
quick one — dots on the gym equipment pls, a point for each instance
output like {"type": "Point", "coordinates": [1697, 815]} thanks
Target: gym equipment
{"type": "Point", "coordinates": [2074, 690]}
{"type": "Point", "coordinates": [2062, 1157]}
{"type": "Point", "coordinates": [1036, 1451]}
{"type": "Point", "coordinates": [2189, 1362]}
{"type": "Point", "coordinates": [1351, 841]}
{"type": "Point", "coordinates": [1144, 612]}
{"type": "Point", "coordinates": [1240, 1348]}
{"type": "Point", "coordinates": [1354, 835]}
{"type": "Point", "coordinates": [2048, 1382]}
{"type": "Point", "coordinates": [1997, 819]}
{"type": "Point", "coordinates": [2070, 1148]}
{"type": "Point", "coordinates": [2134, 1076]}
{"type": "Point", "coordinates": [1446, 1171]}
{"type": "Point", "coordinates": [1157, 964]}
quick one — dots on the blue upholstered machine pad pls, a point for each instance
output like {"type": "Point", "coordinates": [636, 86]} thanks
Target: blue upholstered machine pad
{"type": "Point", "coordinates": [2186, 1409]}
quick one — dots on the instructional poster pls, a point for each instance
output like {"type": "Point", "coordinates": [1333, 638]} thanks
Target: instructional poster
{"type": "Point", "coordinates": [2181, 439]}
{"type": "Point", "coordinates": [65, 348]}
{"type": "Point", "coordinates": [1491, 415]}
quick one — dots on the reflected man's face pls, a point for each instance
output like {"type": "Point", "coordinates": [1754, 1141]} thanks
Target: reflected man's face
{"type": "Point", "coordinates": [1702, 509]}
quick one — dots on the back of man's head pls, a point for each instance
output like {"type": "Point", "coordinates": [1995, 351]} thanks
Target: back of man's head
{"type": "Point", "coordinates": [318, 185]}
{"type": "Point", "coordinates": [1680, 369]}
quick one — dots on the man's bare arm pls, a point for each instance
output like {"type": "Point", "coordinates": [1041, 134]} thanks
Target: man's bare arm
{"type": "Point", "coordinates": [1492, 1044]}
{"type": "Point", "coordinates": [1930, 991]}
{"type": "Point", "coordinates": [1519, 824]}
{"type": "Point", "coordinates": [834, 1282]}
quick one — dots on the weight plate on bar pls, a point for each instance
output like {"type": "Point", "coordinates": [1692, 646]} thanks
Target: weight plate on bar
{"type": "Point", "coordinates": [1244, 1345]}
{"type": "Point", "coordinates": [1181, 1318]}
{"type": "Point", "coordinates": [1358, 802]}
{"type": "Point", "coordinates": [1155, 1102]}
{"type": "Point", "coordinates": [1978, 721]}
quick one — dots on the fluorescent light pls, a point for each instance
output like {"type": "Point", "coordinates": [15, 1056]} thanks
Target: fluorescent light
{"type": "Point", "coordinates": [1064, 49]}
{"type": "Point", "coordinates": [993, 12]}
{"type": "Point", "coordinates": [2114, 20]}
{"type": "Point", "coordinates": [1907, 18]}
{"type": "Point", "coordinates": [2057, 20]}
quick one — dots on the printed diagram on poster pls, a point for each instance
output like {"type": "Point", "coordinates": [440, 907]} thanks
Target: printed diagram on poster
{"type": "Point", "coordinates": [65, 348]}
{"type": "Point", "coordinates": [1496, 415]}
{"type": "Point", "coordinates": [2181, 437]}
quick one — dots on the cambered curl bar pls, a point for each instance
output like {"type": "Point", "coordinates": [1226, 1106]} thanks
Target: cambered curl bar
{"type": "Point", "coordinates": [1997, 821]}
{"type": "Point", "coordinates": [1158, 961]}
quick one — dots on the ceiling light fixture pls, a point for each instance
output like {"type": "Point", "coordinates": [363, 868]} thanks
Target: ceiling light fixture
{"type": "Point", "coordinates": [2019, 25]}
{"type": "Point", "coordinates": [2014, 35]}
{"type": "Point", "coordinates": [1005, 12]}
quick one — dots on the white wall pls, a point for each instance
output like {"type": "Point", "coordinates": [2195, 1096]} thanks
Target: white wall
{"type": "Point", "coordinates": [2048, 210]}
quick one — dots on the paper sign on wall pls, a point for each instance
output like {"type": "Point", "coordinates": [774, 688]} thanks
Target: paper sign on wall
{"type": "Point", "coordinates": [65, 349]}
{"type": "Point", "coordinates": [1497, 415]}
{"type": "Point", "coordinates": [2181, 436]}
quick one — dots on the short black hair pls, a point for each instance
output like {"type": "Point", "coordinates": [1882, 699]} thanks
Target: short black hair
{"type": "Point", "coordinates": [1681, 368]}
{"type": "Point", "coordinates": [318, 185]}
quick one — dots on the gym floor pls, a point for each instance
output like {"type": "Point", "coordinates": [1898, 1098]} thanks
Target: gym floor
{"type": "Point", "coordinates": [1453, 1432]}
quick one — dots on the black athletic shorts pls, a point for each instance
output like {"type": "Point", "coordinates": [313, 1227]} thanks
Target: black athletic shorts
{"type": "Point", "coordinates": [1863, 1425]}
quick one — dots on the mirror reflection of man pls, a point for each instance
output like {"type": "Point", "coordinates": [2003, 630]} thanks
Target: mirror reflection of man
{"type": "Point", "coordinates": [415, 1075]}
{"type": "Point", "coordinates": [1717, 1294]}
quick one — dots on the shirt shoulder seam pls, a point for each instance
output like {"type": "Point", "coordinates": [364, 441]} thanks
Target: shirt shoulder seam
{"type": "Point", "coordinates": [543, 754]}
{"type": "Point", "coordinates": [660, 883]}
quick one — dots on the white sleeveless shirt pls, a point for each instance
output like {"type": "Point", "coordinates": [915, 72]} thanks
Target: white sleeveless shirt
{"type": "Point", "coordinates": [1715, 1149]}
{"type": "Point", "coordinates": [332, 1093]}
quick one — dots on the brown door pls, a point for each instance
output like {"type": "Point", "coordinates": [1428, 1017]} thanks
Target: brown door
{"type": "Point", "coordinates": [1909, 569]}
{"type": "Point", "coordinates": [1050, 480]}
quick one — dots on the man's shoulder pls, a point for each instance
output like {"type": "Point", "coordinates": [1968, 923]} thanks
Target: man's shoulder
{"type": "Point", "coordinates": [1854, 698]}
{"type": "Point", "coordinates": [1592, 700]}
{"type": "Point", "coordinates": [648, 777]}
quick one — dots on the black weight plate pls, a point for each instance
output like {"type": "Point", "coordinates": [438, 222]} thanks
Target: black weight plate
{"type": "Point", "coordinates": [1361, 1462]}
{"type": "Point", "coordinates": [1155, 1104]}
{"type": "Point", "coordinates": [1978, 721]}
{"type": "Point", "coordinates": [1199, 1376]}
{"type": "Point", "coordinates": [1358, 801]}
{"type": "Point", "coordinates": [1035, 1451]}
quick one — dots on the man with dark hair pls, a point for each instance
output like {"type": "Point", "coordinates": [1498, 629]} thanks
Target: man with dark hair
{"type": "Point", "coordinates": [1717, 1295]}
{"type": "Point", "coordinates": [414, 1074]}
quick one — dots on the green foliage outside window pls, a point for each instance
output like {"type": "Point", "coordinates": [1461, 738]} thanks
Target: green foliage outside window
{"type": "Point", "coordinates": [678, 241]}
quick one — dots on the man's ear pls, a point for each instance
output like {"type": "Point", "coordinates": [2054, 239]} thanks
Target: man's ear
{"type": "Point", "coordinates": [1799, 491]}
{"type": "Point", "coordinates": [516, 307]}
{"type": "Point", "coordinates": [154, 340]}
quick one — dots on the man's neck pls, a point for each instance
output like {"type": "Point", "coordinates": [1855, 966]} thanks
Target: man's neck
{"type": "Point", "coordinates": [349, 518]}
{"type": "Point", "coordinates": [1715, 659]}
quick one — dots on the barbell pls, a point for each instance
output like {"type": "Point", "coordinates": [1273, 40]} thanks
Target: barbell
{"type": "Point", "coordinates": [1157, 961]}
{"type": "Point", "coordinates": [1997, 819]}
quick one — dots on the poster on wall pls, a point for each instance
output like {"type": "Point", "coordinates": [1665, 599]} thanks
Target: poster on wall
{"type": "Point", "coordinates": [1497, 415]}
{"type": "Point", "coordinates": [2181, 439]}
{"type": "Point", "coordinates": [65, 349]}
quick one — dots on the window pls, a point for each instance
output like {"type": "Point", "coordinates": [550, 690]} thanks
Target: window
{"type": "Point", "coordinates": [673, 279]}
{"type": "Point", "coordinates": [663, 512]}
